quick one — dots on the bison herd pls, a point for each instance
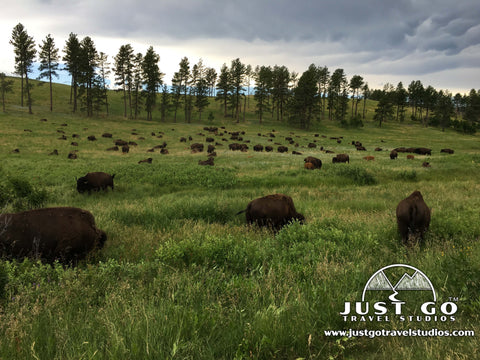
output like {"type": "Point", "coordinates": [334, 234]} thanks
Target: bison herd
{"type": "Point", "coordinates": [69, 234]}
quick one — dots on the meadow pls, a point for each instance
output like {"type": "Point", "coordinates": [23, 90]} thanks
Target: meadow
{"type": "Point", "coordinates": [182, 277]}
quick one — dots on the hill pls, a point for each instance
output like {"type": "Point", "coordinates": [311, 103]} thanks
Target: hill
{"type": "Point", "coordinates": [181, 276]}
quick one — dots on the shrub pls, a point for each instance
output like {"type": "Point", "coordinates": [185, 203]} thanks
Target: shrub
{"type": "Point", "coordinates": [357, 175]}
{"type": "Point", "coordinates": [20, 193]}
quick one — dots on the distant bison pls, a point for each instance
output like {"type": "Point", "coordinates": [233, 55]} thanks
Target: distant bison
{"type": "Point", "coordinates": [282, 149]}
{"type": "Point", "coordinates": [369, 158]}
{"type": "Point", "coordinates": [148, 161]}
{"type": "Point", "coordinates": [258, 147]}
{"type": "Point", "coordinates": [317, 163]}
{"type": "Point", "coordinates": [393, 154]}
{"type": "Point", "coordinates": [206, 162]}
{"type": "Point", "coordinates": [410, 157]}
{"type": "Point", "coordinates": [448, 151]}
{"type": "Point", "coordinates": [272, 211]}
{"type": "Point", "coordinates": [65, 234]}
{"type": "Point", "coordinates": [422, 151]}
{"type": "Point", "coordinates": [341, 158]}
{"type": "Point", "coordinates": [95, 181]}
{"type": "Point", "coordinates": [413, 217]}
{"type": "Point", "coordinates": [309, 166]}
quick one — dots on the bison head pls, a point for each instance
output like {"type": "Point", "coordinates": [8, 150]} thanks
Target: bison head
{"type": "Point", "coordinates": [82, 184]}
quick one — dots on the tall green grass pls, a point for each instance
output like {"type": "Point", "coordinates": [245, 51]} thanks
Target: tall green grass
{"type": "Point", "coordinates": [182, 276]}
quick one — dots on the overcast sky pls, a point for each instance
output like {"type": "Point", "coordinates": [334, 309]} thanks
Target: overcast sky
{"type": "Point", "coordinates": [385, 41]}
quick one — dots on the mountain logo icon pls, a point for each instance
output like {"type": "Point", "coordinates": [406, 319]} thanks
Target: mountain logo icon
{"type": "Point", "coordinates": [380, 281]}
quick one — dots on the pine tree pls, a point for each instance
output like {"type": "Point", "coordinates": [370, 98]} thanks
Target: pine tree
{"type": "Point", "coordinates": [152, 78]}
{"type": "Point", "coordinates": [224, 88]}
{"type": "Point", "coordinates": [88, 76]}
{"type": "Point", "coordinates": [124, 75]}
{"type": "Point", "coordinates": [263, 81]}
{"type": "Point", "coordinates": [24, 48]}
{"type": "Point", "coordinates": [6, 86]}
{"type": "Point", "coordinates": [48, 63]}
{"type": "Point", "coordinates": [72, 58]}
{"type": "Point", "coordinates": [305, 98]}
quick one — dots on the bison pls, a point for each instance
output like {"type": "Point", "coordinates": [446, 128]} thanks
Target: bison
{"type": "Point", "coordinates": [369, 158]}
{"type": "Point", "coordinates": [273, 211]}
{"type": "Point", "coordinates": [66, 234]}
{"type": "Point", "coordinates": [309, 166]}
{"type": "Point", "coordinates": [95, 181]}
{"type": "Point", "coordinates": [423, 151]}
{"type": "Point", "coordinates": [341, 158]}
{"type": "Point", "coordinates": [413, 217]}
{"type": "Point", "coordinates": [393, 154]}
{"type": "Point", "coordinates": [317, 163]}
{"type": "Point", "coordinates": [209, 161]}
{"type": "Point", "coordinates": [447, 151]}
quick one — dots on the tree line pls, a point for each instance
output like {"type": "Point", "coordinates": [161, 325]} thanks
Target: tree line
{"type": "Point", "coordinates": [278, 93]}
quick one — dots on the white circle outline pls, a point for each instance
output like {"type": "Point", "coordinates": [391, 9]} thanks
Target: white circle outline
{"type": "Point", "coordinates": [399, 265]}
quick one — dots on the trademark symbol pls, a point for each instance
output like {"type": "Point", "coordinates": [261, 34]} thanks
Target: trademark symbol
{"type": "Point", "coordinates": [454, 299]}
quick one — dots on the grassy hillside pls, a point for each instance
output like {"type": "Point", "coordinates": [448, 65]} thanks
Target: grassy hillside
{"type": "Point", "coordinates": [182, 277]}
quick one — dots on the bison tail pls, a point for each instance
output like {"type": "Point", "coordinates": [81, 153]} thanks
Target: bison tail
{"type": "Point", "coordinates": [113, 175]}
{"type": "Point", "coordinates": [242, 211]}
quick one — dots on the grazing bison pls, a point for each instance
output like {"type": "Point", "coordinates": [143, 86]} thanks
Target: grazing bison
{"type": "Point", "coordinates": [66, 234]}
{"type": "Point", "coordinates": [197, 147]}
{"type": "Point", "coordinates": [95, 181]}
{"type": "Point", "coordinates": [206, 162]}
{"type": "Point", "coordinates": [258, 147]}
{"type": "Point", "coordinates": [268, 148]}
{"type": "Point", "coordinates": [369, 158]}
{"type": "Point", "coordinates": [54, 152]}
{"type": "Point", "coordinates": [448, 151]}
{"type": "Point", "coordinates": [341, 158]}
{"type": "Point", "coordinates": [72, 155]}
{"type": "Point", "coordinates": [317, 163]}
{"type": "Point", "coordinates": [393, 155]}
{"type": "Point", "coordinates": [309, 166]}
{"type": "Point", "coordinates": [423, 151]}
{"type": "Point", "coordinates": [282, 149]}
{"type": "Point", "coordinates": [92, 138]}
{"type": "Point", "coordinates": [272, 211]}
{"type": "Point", "coordinates": [410, 157]}
{"type": "Point", "coordinates": [413, 217]}
{"type": "Point", "coordinates": [426, 164]}
{"type": "Point", "coordinates": [107, 135]}
{"type": "Point", "coordinates": [148, 161]}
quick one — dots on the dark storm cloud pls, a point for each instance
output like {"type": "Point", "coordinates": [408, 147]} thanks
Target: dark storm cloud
{"type": "Point", "coordinates": [382, 37]}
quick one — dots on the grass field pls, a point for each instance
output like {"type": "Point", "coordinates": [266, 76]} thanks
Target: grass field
{"type": "Point", "coordinates": [182, 277]}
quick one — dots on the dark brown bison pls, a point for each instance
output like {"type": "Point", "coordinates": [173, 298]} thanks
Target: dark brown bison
{"type": "Point", "coordinates": [413, 218]}
{"type": "Point", "coordinates": [120, 142]}
{"type": "Point", "coordinates": [197, 147]}
{"type": "Point", "coordinates": [206, 162]}
{"type": "Point", "coordinates": [72, 155]}
{"type": "Point", "coordinates": [125, 149]}
{"type": "Point", "coordinates": [107, 135]}
{"type": "Point", "coordinates": [258, 147]}
{"type": "Point", "coordinates": [448, 151]}
{"type": "Point", "coordinates": [66, 234]}
{"type": "Point", "coordinates": [282, 149]}
{"type": "Point", "coordinates": [317, 163]}
{"type": "Point", "coordinates": [341, 158]}
{"type": "Point", "coordinates": [423, 151]}
{"type": "Point", "coordinates": [393, 154]}
{"type": "Point", "coordinates": [268, 148]}
{"type": "Point", "coordinates": [272, 211]}
{"type": "Point", "coordinates": [148, 161]}
{"type": "Point", "coordinates": [92, 138]}
{"type": "Point", "coordinates": [95, 181]}
{"type": "Point", "coordinates": [426, 164]}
